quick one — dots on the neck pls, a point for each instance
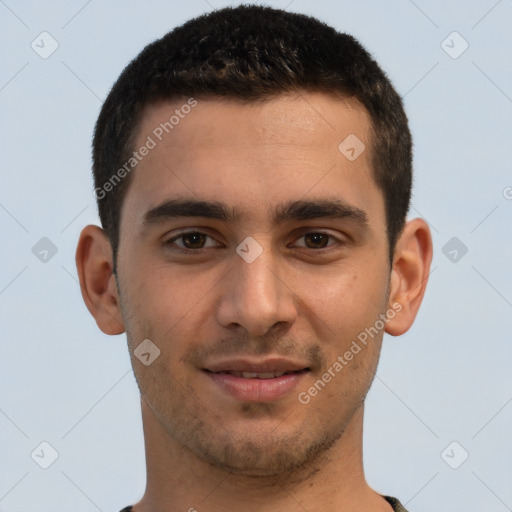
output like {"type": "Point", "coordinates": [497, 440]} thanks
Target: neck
{"type": "Point", "coordinates": [177, 480]}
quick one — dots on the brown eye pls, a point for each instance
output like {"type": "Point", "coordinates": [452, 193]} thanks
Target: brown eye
{"type": "Point", "coordinates": [316, 240]}
{"type": "Point", "coordinates": [193, 240]}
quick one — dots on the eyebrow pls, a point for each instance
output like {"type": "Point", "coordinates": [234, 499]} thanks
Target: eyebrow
{"type": "Point", "coordinates": [292, 211]}
{"type": "Point", "coordinates": [322, 208]}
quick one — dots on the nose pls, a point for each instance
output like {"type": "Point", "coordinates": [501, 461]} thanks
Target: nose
{"type": "Point", "coordinates": [256, 297]}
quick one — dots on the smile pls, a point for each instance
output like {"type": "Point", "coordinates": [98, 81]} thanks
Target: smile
{"type": "Point", "coordinates": [256, 375]}
{"type": "Point", "coordinates": [248, 386]}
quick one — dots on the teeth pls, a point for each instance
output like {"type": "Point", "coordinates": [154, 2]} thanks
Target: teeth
{"type": "Point", "coordinates": [267, 375]}
{"type": "Point", "coordinates": [256, 375]}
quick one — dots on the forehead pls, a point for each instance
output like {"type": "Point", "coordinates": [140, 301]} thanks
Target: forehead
{"type": "Point", "coordinates": [253, 154]}
{"type": "Point", "coordinates": [302, 119]}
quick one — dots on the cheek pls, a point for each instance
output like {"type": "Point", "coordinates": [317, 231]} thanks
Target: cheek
{"type": "Point", "coordinates": [344, 301]}
{"type": "Point", "coordinates": [167, 305]}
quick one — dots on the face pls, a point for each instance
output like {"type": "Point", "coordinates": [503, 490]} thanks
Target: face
{"type": "Point", "coordinates": [252, 254]}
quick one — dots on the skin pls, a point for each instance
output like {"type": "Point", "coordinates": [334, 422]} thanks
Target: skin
{"type": "Point", "coordinates": [205, 449]}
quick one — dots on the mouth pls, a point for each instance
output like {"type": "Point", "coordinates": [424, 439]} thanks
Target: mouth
{"type": "Point", "coordinates": [259, 375]}
{"type": "Point", "coordinates": [256, 383]}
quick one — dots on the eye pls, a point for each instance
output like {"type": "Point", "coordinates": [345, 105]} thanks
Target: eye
{"type": "Point", "coordinates": [193, 240]}
{"type": "Point", "coordinates": [316, 240]}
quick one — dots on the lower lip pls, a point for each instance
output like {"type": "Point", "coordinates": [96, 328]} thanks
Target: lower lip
{"type": "Point", "coordinates": [257, 390]}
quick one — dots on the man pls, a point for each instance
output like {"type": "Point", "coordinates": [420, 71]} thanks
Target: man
{"type": "Point", "coordinates": [253, 176]}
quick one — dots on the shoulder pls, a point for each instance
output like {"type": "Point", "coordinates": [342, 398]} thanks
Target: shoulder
{"type": "Point", "coordinates": [397, 506]}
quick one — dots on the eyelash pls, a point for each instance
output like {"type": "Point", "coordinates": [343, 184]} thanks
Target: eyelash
{"type": "Point", "coordinates": [201, 250]}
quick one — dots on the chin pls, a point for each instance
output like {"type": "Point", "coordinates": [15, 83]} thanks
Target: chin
{"type": "Point", "coordinates": [266, 455]}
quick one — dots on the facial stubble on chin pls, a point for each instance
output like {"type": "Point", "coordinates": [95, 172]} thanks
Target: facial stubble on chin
{"type": "Point", "coordinates": [274, 456]}
{"type": "Point", "coordinates": [279, 455]}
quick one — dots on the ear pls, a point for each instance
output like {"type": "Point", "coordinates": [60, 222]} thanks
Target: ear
{"type": "Point", "coordinates": [409, 275]}
{"type": "Point", "coordinates": [97, 282]}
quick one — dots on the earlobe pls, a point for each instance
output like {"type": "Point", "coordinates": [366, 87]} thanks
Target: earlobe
{"type": "Point", "coordinates": [97, 281]}
{"type": "Point", "coordinates": [409, 275]}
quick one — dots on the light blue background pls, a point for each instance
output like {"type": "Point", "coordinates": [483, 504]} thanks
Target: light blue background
{"type": "Point", "coordinates": [448, 379]}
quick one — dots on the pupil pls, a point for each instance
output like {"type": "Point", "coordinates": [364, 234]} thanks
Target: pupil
{"type": "Point", "coordinates": [316, 240]}
{"type": "Point", "coordinates": [193, 240]}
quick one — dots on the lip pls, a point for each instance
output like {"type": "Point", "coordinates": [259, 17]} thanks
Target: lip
{"type": "Point", "coordinates": [268, 364]}
{"type": "Point", "coordinates": [257, 390]}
